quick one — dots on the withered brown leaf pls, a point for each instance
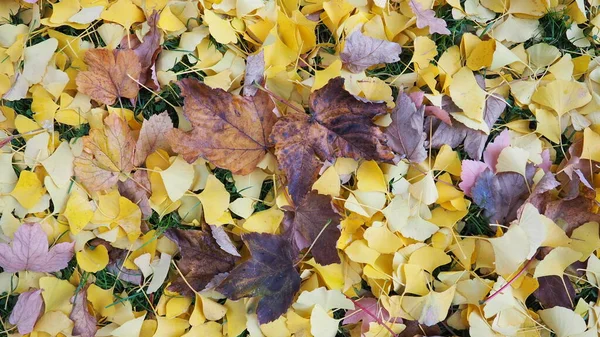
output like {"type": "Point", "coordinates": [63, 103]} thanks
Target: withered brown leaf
{"type": "Point", "coordinates": [111, 74]}
{"type": "Point", "coordinates": [201, 259]}
{"type": "Point", "coordinates": [153, 136]}
{"type": "Point", "coordinates": [106, 154]}
{"type": "Point", "coordinates": [230, 131]}
{"type": "Point", "coordinates": [315, 222]}
{"type": "Point", "coordinates": [146, 50]}
{"type": "Point", "coordinates": [339, 126]}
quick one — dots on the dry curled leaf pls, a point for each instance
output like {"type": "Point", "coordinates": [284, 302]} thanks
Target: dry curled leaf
{"type": "Point", "coordinates": [230, 131]}
{"type": "Point", "coordinates": [201, 259]}
{"type": "Point", "coordinates": [111, 74]}
{"type": "Point", "coordinates": [29, 252]}
{"type": "Point", "coordinates": [339, 126]}
{"type": "Point", "coordinates": [315, 222]}
{"type": "Point", "coordinates": [269, 275]}
{"type": "Point", "coordinates": [147, 50]}
{"type": "Point", "coordinates": [27, 311]}
{"type": "Point", "coordinates": [106, 154]}
{"type": "Point", "coordinates": [361, 51]}
{"type": "Point", "coordinates": [84, 323]}
{"type": "Point", "coordinates": [405, 134]}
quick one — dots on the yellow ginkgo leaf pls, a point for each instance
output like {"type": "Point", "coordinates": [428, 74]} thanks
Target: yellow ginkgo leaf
{"type": "Point", "coordinates": [323, 76]}
{"type": "Point", "coordinates": [124, 12]}
{"type": "Point", "coordinates": [29, 189]}
{"type": "Point", "coordinates": [429, 258]}
{"type": "Point", "coordinates": [430, 309]}
{"type": "Point", "coordinates": [591, 150]}
{"type": "Point", "coordinates": [56, 294]}
{"type": "Point", "coordinates": [167, 327]}
{"type": "Point", "coordinates": [467, 94]}
{"type": "Point", "coordinates": [424, 190]}
{"type": "Point", "coordinates": [586, 239]}
{"type": "Point", "coordinates": [370, 178]}
{"type": "Point", "coordinates": [564, 322]}
{"type": "Point", "coordinates": [328, 183]}
{"type": "Point", "coordinates": [425, 51]}
{"type": "Point", "coordinates": [78, 212]}
{"type": "Point", "coordinates": [214, 199]}
{"type": "Point", "coordinates": [177, 178]}
{"type": "Point", "coordinates": [562, 96]}
{"type": "Point", "coordinates": [101, 300]}
{"type": "Point", "coordinates": [266, 221]}
{"type": "Point", "coordinates": [510, 250]}
{"type": "Point", "coordinates": [556, 262]}
{"type": "Point", "coordinates": [130, 328]}
{"type": "Point", "coordinates": [92, 260]}
{"type": "Point", "coordinates": [512, 159]}
{"type": "Point", "coordinates": [219, 28]}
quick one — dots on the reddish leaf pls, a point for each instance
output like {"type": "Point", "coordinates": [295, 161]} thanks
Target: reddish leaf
{"type": "Point", "coordinates": [111, 74]}
{"type": "Point", "coordinates": [554, 292]}
{"type": "Point", "coordinates": [27, 311]}
{"type": "Point", "coordinates": [230, 131]}
{"type": "Point", "coordinates": [574, 212]}
{"type": "Point", "coordinates": [201, 259]}
{"type": "Point", "coordinates": [405, 134]}
{"type": "Point", "coordinates": [146, 50]}
{"type": "Point", "coordinates": [471, 169]}
{"type": "Point", "coordinates": [426, 17]}
{"type": "Point", "coordinates": [315, 222]}
{"type": "Point", "coordinates": [339, 126]}
{"type": "Point", "coordinates": [84, 322]}
{"type": "Point", "coordinates": [370, 311]}
{"type": "Point", "coordinates": [29, 252]}
{"type": "Point", "coordinates": [269, 274]}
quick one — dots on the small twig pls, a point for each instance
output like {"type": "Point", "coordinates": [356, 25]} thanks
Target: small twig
{"type": "Point", "coordinates": [509, 281]}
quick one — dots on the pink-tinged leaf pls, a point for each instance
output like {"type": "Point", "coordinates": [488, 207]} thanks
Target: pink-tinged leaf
{"type": "Point", "coordinates": [368, 310]}
{"type": "Point", "coordinates": [492, 151]}
{"type": "Point", "coordinates": [29, 251]}
{"type": "Point", "coordinates": [27, 311]}
{"type": "Point", "coordinates": [471, 169]}
{"type": "Point", "coordinates": [255, 72]}
{"type": "Point", "coordinates": [417, 98]}
{"type": "Point", "coordinates": [439, 113]}
{"type": "Point", "coordinates": [546, 161]}
{"type": "Point", "coordinates": [361, 51]}
{"type": "Point", "coordinates": [426, 17]}
{"type": "Point", "coordinates": [405, 134]}
{"type": "Point", "coordinates": [84, 322]}
{"type": "Point", "coordinates": [153, 136]}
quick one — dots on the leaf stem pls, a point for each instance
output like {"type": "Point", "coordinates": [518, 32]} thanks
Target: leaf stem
{"type": "Point", "coordinates": [379, 321]}
{"type": "Point", "coordinates": [512, 279]}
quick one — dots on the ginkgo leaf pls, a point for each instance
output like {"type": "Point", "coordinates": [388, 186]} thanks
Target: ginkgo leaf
{"type": "Point", "coordinates": [405, 134]}
{"type": "Point", "coordinates": [26, 311]}
{"type": "Point", "coordinates": [426, 18]}
{"type": "Point", "coordinates": [201, 259]}
{"type": "Point", "coordinates": [361, 51]}
{"type": "Point", "coordinates": [340, 126]}
{"type": "Point", "coordinates": [269, 275]}
{"type": "Point", "coordinates": [29, 251]}
{"type": "Point", "coordinates": [240, 127]}
{"type": "Point", "coordinates": [562, 96]}
{"type": "Point", "coordinates": [84, 321]}
{"type": "Point", "coordinates": [106, 155]}
{"type": "Point", "coordinates": [111, 74]}
{"type": "Point", "coordinates": [314, 222]}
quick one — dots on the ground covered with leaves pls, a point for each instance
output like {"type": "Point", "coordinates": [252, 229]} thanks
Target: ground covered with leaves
{"type": "Point", "coordinates": [299, 168]}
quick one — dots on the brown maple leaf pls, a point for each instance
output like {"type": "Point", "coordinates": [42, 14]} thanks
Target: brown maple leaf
{"type": "Point", "coordinates": [106, 154]}
{"type": "Point", "coordinates": [230, 131]}
{"type": "Point", "coordinates": [339, 126]}
{"type": "Point", "coordinates": [153, 136]}
{"type": "Point", "coordinates": [315, 222]}
{"type": "Point", "coordinates": [111, 74]}
{"type": "Point", "coordinates": [146, 50]}
{"type": "Point", "coordinates": [202, 258]}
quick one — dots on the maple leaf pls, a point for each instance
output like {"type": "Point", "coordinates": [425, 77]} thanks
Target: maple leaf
{"type": "Point", "coordinates": [426, 17]}
{"type": "Point", "coordinates": [153, 136]}
{"type": "Point", "coordinates": [361, 51]}
{"type": "Point", "coordinates": [29, 252]}
{"type": "Point", "coordinates": [269, 274]}
{"type": "Point", "coordinates": [26, 311]}
{"type": "Point", "coordinates": [111, 74]}
{"type": "Point", "coordinates": [146, 50]}
{"type": "Point", "coordinates": [339, 126]}
{"type": "Point", "coordinates": [555, 292]}
{"type": "Point", "coordinates": [84, 322]}
{"type": "Point", "coordinates": [368, 310]}
{"type": "Point", "coordinates": [575, 212]}
{"type": "Point", "coordinates": [201, 259]}
{"type": "Point", "coordinates": [229, 131]}
{"type": "Point", "coordinates": [405, 134]}
{"type": "Point", "coordinates": [315, 222]}
{"type": "Point", "coordinates": [430, 110]}
{"type": "Point", "coordinates": [106, 154]}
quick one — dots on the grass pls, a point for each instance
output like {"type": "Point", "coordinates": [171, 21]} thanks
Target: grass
{"type": "Point", "coordinates": [476, 224]}
{"type": "Point", "coordinates": [553, 31]}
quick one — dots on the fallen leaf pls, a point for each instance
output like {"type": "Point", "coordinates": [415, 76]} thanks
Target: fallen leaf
{"type": "Point", "coordinates": [26, 311]}
{"type": "Point", "coordinates": [111, 74]}
{"type": "Point", "coordinates": [255, 72]}
{"type": "Point", "coordinates": [147, 51]}
{"type": "Point", "coordinates": [339, 126]}
{"type": "Point", "coordinates": [269, 274]}
{"type": "Point", "coordinates": [201, 259]}
{"type": "Point", "coordinates": [29, 252]}
{"type": "Point", "coordinates": [153, 136]}
{"type": "Point", "coordinates": [106, 154]}
{"type": "Point", "coordinates": [229, 131]}
{"type": "Point", "coordinates": [554, 291]}
{"type": "Point", "coordinates": [426, 17]}
{"type": "Point", "coordinates": [84, 321]}
{"type": "Point", "coordinates": [405, 134]}
{"type": "Point", "coordinates": [314, 222]}
{"type": "Point", "coordinates": [361, 51]}
{"type": "Point", "coordinates": [138, 189]}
